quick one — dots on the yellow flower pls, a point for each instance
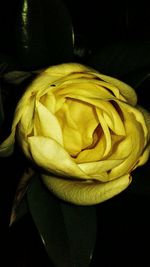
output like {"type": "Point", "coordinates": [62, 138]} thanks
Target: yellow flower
{"type": "Point", "coordinates": [84, 130]}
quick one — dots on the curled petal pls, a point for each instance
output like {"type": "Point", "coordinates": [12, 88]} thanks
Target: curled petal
{"type": "Point", "coordinates": [66, 69]}
{"type": "Point", "coordinates": [124, 89]}
{"type": "Point", "coordinates": [85, 193]}
{"type": "Point", "coordinates": [143, 159]}
{"type": "Point", "coordinates": [27, 119]}
{"type": "Point", "coordinates": [113, 118]}
{"type": "Point", "coordinates": [146, 116]}
{"type": "Point", "coordinates": [105, 130]}
{"type": "Point", "coordinates": [7, 147]}
{"type": "Point", "coordinates": [49, 101]}
{"type": "Point", "coordinates": [82, 87]}
{"type": "Point", "coordinates": [98, 170]}
{"type": "Point", "coordinates": [135, 147]}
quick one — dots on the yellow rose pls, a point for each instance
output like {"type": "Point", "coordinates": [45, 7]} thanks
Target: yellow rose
{"type": "Point", "coordinates": [84, 130]}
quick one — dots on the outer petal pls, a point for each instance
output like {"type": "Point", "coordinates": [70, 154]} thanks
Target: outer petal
{"type": "Point", "coordinates": [86, 193]}
{"type": "Point", "coordinates": [135, 135]}
{"type": "Point", "coordinates": [146, 116]}
{"type": "Point", "coordinates": [51, 75]}
{"type": "Point", "coordinates": [112, 118]}
{"type": "Point", "coordinates": [25, 126]}
{"type": "Point", "coordinates": [143, 159]}
{"type": "Point", "coordinates": [66, 69]}
{"type": "Point", "coordinates": [51, 156]}
{"type": "Point", "coordinates": [126, 90]}
{"type": "Point", "coordinates": [83, 87]}
{"type": "Point", "coordinates": [27, 119]}
{"type": "Point", "coordinates": [141, 116]}
{"type": "Point", "coordinates": [6, 148]}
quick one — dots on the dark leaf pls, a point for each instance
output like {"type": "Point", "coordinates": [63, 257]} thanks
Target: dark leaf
{"type": "Point", "coordinates": [142, 90]}
{"type": "Point", "coordinates": [44, 34]}
{"type": "Point", "coordinates": [18, 211]}
{"type": "Point", "coordinates": [141, 182]}
{"type": "Point", "coordinates": [127, 60]}
{"type": "Point", "coordinates": [48, 218]}
{"type": "Point", "coordinates": [80, 224]}
{"type": "Point", "coordinates": [1, 111]}
{"type": "Point", "coordinates": [68, 232]}
{"type": "Point", "coordinates": [16, 77]}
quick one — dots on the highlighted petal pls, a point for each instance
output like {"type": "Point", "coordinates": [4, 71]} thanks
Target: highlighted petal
{"type": "Point", "coordinates": [135, 137]}
{"type": "Point", "coordinates": [98, 170]}
{"type": "Point", "coordinates": [46, 124]}
{"type": "Point", "coordinates": [106, 132]}
{"type": "Point", "coordinates": [84, 88]}
{"type": "Point", "coordinates": [65, 69]}
{"type": "Point", "coordinates": [71, 136]}
{"type": "Point", "coordinates": [85, 193]}
{"type": "Point", "coordinates": [113, 118]}
{"type": "Point", "coordinates": [124, 89]}
{"type": "Point", "coordinates": [48, 100]}
{"type": "Point", "coordinates": [83, 115]}
{"type": "Point", "coordinates": [27, 119]}
{"type": "Point", "coordinates": [51, 156]}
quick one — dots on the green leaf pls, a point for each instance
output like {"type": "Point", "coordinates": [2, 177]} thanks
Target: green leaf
{"type": "Point", "coordinates": [68, 232]}
{"type": "Point", "coordinates": [44, 33]}
{"type": "Point", "coordinates": [80, 223]}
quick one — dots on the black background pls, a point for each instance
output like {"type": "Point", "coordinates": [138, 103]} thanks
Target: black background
{"type": "Point", "coordinates": [124, 221]}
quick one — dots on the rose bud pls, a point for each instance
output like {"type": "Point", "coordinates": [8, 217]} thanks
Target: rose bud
{"type": "Point", "coordinates": [83, 130]}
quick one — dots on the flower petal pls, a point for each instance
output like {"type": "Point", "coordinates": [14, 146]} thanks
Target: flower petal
{"type": "Point", "coordinates": [23, 109]}
{"type": "Point", "coordinates": [49, 101]}
{"type": "Point", "coordinates": [50, 155]}
{"type": "Point", "coordinates": [27, 119]}
{"type": "Point", "coordinates": [105, 130]}
{"type": "Point", "coordinates": [126, 90]}
{"type": "Point", "coordinates": [83, 114]}
{"type": "Point", "coordinates": [71, 136]}
{"type": "Point", "coordinates": [83, 87]}
{"type": "Point", "coordinates": [144, 114]}
{"type": "Point", "coordinates": [6, 148]}
{"type": "Point", "coordinates": [98, 170]}
{"type": "Point", "coordinates": [135, 135]}
{"type": "Point", "coordinates": [46, 124]}
{"type": "Point", "coordinates": [65, 69]}
{"type": "Point", "coordinates": [85, 193]}
{"type": "Point", "coordinates": [112, 118]}
{"type": "Point", "coordinates": [94, 153]}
